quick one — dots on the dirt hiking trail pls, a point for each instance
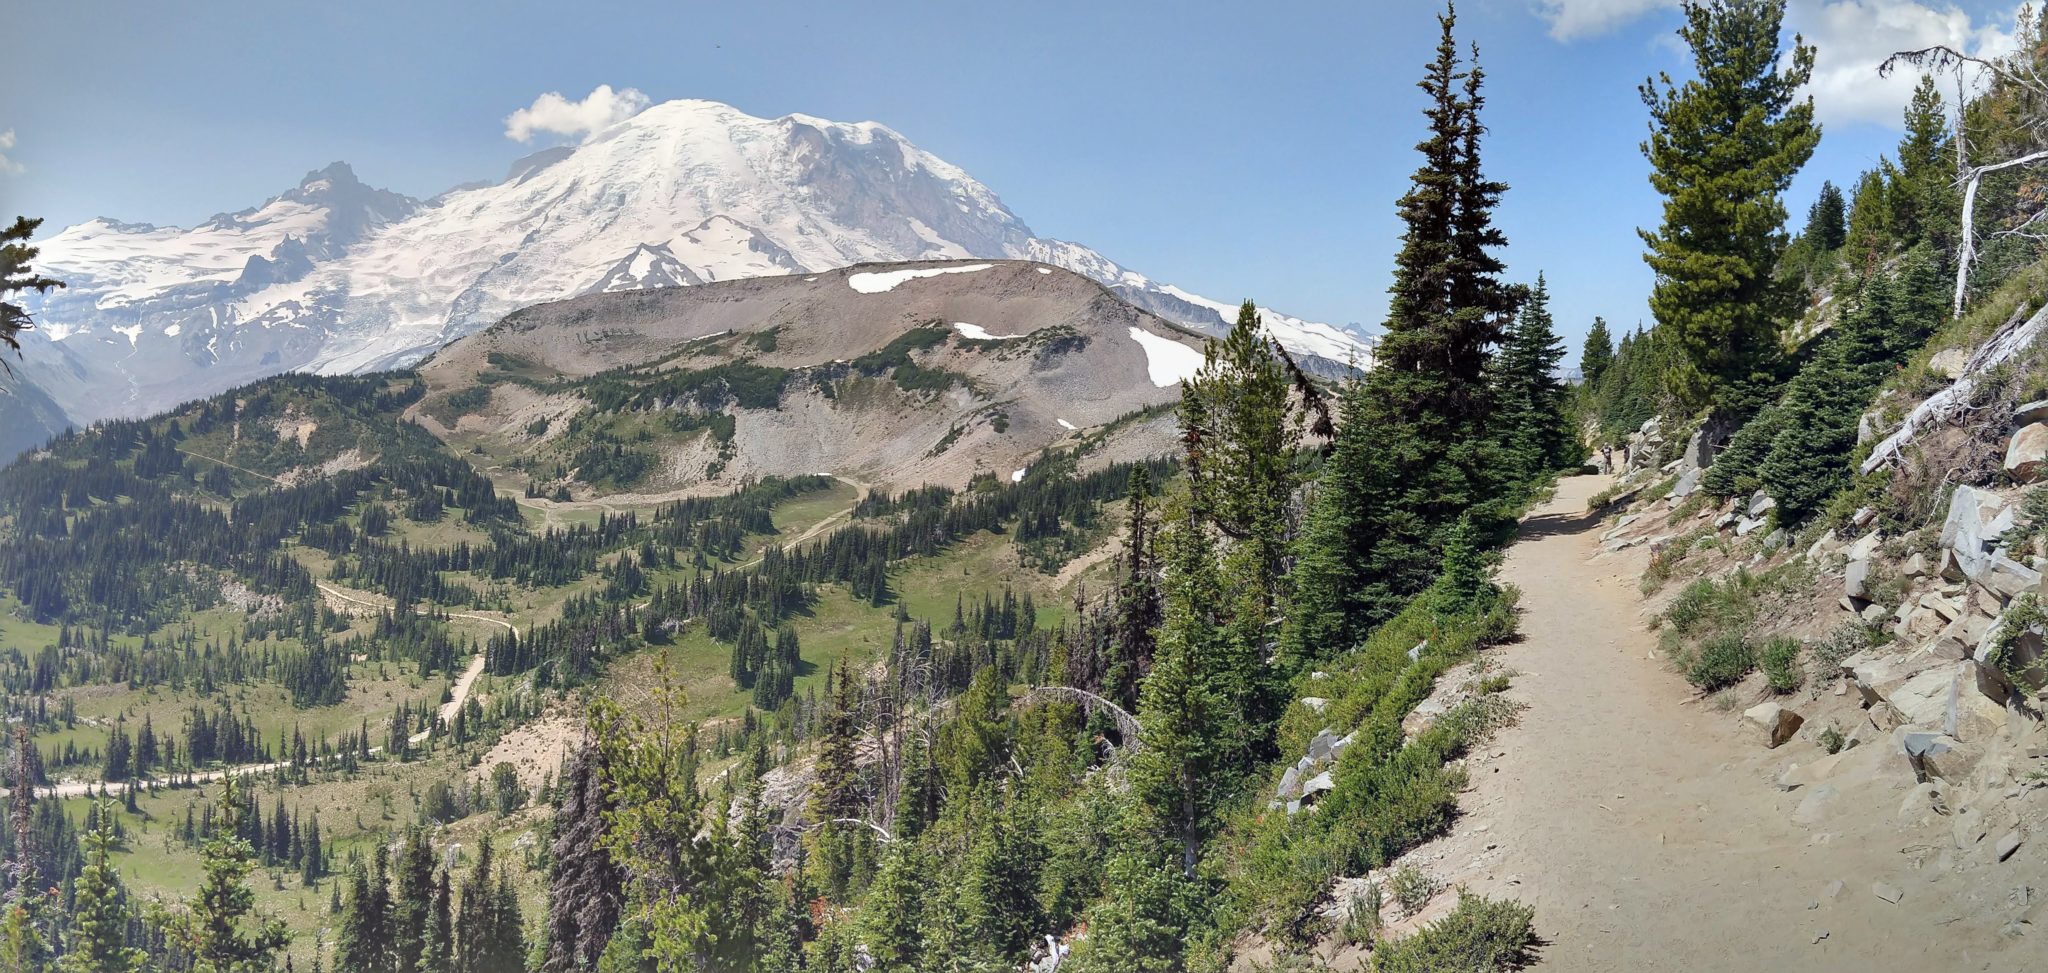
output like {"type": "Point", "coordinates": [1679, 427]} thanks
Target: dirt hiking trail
{"type": "Point", "coordinates": [1642, 823]}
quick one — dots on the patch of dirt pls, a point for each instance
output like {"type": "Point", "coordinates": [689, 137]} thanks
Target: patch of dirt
{"type": "Point", "coordinates": [536, 750]}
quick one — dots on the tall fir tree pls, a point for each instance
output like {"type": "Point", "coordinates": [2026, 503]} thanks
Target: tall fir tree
{"type": "Point", "coordinates": [1535, 434]}
{"type": "Point", "coordinates": [1723, 148]}
{"type": "Point", "coordinates": [99, 912]}
{"type": "Point", "coordinates": [1924, 202]}
{"type": "Point", "coordinates": [17, 277]}
{"type": "Point", "coordinates": [1137, 609]}
{"type": "Point", "coordinates": [1187, 729]}
{"type": "Point", "coordinates": [1596, 354]}
{"type": "Point", "coordinates": [1242, 436]}
{"type": "Point", "coordinates": [1827, 220]}
{"type": "Point", "coordinates": [219, 927]}
{"type": "Point", "coordinates": [1411, 457]}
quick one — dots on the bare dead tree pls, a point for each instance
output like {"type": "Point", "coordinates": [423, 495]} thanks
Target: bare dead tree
{"type": "Point", "coordinates": [2020, 73]}
{"type": "Point", "coordinates": [1126, 724]}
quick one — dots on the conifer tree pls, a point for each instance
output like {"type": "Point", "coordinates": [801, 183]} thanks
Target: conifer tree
{"type": "Point", "coordinates": [1186, 727]}
{"type": "Point", "coordinates": [412, 903]}
{"type": "Point", "coordinates": [363, 940]}
{"type": "Point", "coordinates": [650, 766]}
{"type": "Point", "coordinates": [16, 276]}
{"type": "Point", "coordinates": [1924, 204]}
{"type": "Point", "coordinates": [1723, 147]}
{"type": "Point", "coordinates": [1596, 354]}
{"type": "Point", "coordinates": [440, 952]}
{"type": "Point", "coordinates": [99, 914]}
{"type": "Point", "coordinates": [23, 945]}
{"type": "Point", "coordinates": [1241, 438]}
{"type": "Point", "coordinates": [1535, 433]}
{"type": "Point", "coordinates": [1137, 612]}
{"type": "Point", "coordinates": [894, 911]}
{"type": "Point", "coordinates": [1868, 243]}
{"type": "Point", "coordinates": [218, 926]}
{"type": "Point", "coordinates": [1827, 220]}
{"type": "Point", "coordinates": [1411, 458]}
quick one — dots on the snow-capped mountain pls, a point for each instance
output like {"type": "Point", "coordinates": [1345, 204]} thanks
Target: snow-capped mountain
{"type": "Point", "coordinates": [335, 276]}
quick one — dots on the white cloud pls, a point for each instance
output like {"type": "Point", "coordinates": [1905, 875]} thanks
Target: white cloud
{"type": "Point", "coordinates": [1852, 37]}
{"type": "Point", "coordinates": [8, 166]}
{"type": "Point", "coordinates": [553, 113]}
{"type": "Point", "coordinates": [1573, 19]}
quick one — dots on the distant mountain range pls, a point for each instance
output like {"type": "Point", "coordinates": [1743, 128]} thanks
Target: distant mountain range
{"type": "Point", "coordinates": [336, 276]}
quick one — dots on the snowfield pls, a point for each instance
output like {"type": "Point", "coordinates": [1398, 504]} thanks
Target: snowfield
{"type": "Point", "coordinates": [979, 333]}
{"type": "Point", "coordinates": [1168, 361]}
{"type": "Point", "coordinates": [881, 282]}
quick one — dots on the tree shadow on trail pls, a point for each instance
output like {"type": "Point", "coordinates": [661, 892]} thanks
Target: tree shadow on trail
{"type": "Point", "coordinates": [1546, 525]}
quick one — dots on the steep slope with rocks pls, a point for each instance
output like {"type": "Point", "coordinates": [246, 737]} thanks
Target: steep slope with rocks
{"type": "Point", "coordinates": [334, 276]}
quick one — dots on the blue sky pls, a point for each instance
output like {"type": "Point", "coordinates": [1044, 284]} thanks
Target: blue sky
{"type": "Point", "coordinates": [1238, 150]}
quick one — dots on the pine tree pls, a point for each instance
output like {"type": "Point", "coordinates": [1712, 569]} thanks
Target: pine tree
{"type": "Point", "coordinates": [1723, 148]}
{"type": "Point", "coordinates": [1596, 354]}
{"type": "Point", "coordinates": [412, 903]}
{"type": "Point", "coordinates": [893, 912]}
{"type": "Point", "coordinates": [488, 930]}
{"type": "Point", "coordinates": [1241, 438]}
{"type": "Point", "coordinates": [1827, 220]}
{"type": "Point", "coordinates": [1137, 610]}
{"type": "Point", "coordinates": [1410, 459]}
{"type": "Point", "coordinates": [1186, 727]}
{"type": "Point", "coordinates": [310, 854]}
{"type": "Point", "coordinates": [363, 941]}
{"type": "Point", "coordinates": [99, 917]}
{"type": "Point", "coordinates": [17, 277]}
{"type": "Point", "coordinates": [218, 926]}
{"type": "Point", "coordinates": [1535, 433]}
{"type": "Point", "coordinates": [1924, 204]}
{"type": "Point", "coordinates": [1868, 243]}
{"type": "Point", "coordinates": [440, 953]}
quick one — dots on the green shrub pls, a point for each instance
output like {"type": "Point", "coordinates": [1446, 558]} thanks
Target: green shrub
{"type": "Point", "coordinates": [1362, 923]}
{"type": "Point", "coordinates": [1480, 936]}
{"type": "Point", "coordinates": [1722, 660]}
{"type": "Point", "coordinates": [1780, 662]}
{"type": "Point", "coordinates": [1412, 888]}
{"type": "Point", "coordinates": [1694, 604]}
{"type": "Point", "coordinates": [1832, 740]}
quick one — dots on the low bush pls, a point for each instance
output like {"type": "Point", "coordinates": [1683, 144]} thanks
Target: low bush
{"type": "Point", "coordinates": [1780, 662]}
{"type": "Point", "coordinates": [1721, 660]}
{"type": "Point", "coordinates": [1480, 936]}
{"type": "Point", "coordinates": [1412, 888]}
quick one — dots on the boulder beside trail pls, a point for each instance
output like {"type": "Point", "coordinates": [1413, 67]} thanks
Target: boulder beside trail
{"type": "Point", "coordinates": [2026, 454]}
{"type": "Point", "coordinates": [1779, 724]}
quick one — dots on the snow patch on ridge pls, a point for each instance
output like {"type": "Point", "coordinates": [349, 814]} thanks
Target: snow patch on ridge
{"type": "Point", "coordinates": [878, 282]}
{"type": "Point", "coordinates": [1168, 361]}
{"type": "Point", "coordinates": [1064, 424]}
{"type": "Point", "coordinates": [979, 333]}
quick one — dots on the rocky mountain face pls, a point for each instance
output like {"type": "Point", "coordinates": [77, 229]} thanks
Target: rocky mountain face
{"type": "Point", "coordinates": [893, 375]}
{"type": "Point", "coordinates": [335, 276]}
